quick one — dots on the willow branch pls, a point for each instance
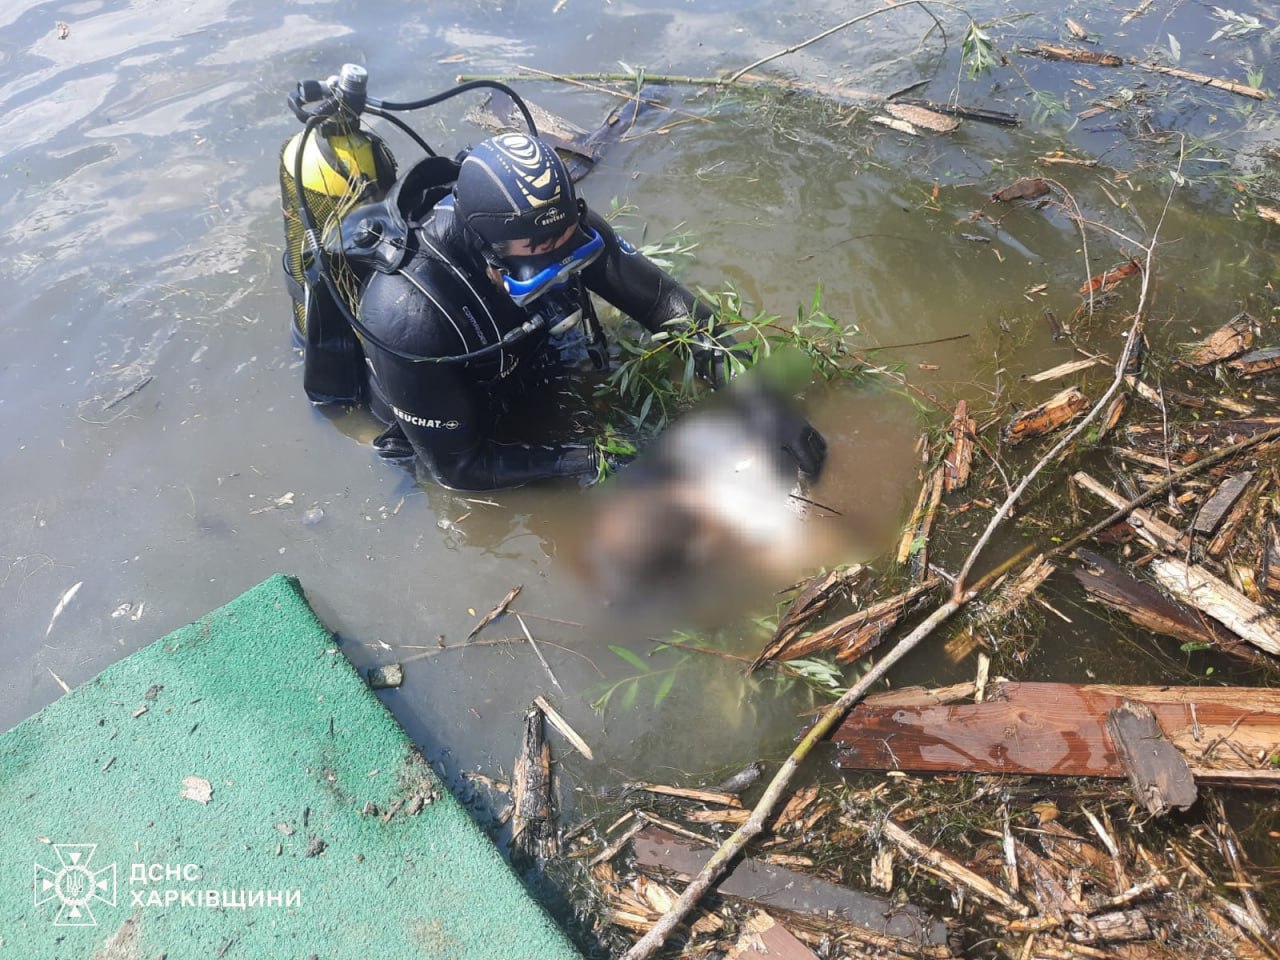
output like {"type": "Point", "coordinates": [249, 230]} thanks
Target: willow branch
{"type": "Point", "coordinates": [737, 75]}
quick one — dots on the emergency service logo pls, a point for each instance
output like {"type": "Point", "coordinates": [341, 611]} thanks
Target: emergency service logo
{"type": "Point", "coordinates": [75, 885]}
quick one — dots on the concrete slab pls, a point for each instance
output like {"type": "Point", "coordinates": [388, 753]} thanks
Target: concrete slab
{"type": "Point", "coordinates": [235, 791]}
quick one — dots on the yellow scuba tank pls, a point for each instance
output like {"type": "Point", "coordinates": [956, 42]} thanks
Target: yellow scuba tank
{"type": "Point", "coordinates": [342, 167]}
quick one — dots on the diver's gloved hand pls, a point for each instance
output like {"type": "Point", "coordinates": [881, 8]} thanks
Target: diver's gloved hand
{"type": "Point", "coordinates": [585, 461]}
{"type": "Point", "coordinates": [717, 359]}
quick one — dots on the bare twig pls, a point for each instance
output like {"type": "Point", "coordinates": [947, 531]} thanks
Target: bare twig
{"type": "Point", "coordinates": [541, 659]}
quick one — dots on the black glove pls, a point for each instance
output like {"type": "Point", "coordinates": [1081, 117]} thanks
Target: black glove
{"type": "Point", "coordinates": [712, 361]}
{"type": "Point", "coordinates": [808, 448]}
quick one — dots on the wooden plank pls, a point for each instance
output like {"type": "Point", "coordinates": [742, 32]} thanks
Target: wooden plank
{"type": "Point", "coordinates": [778, 887]}
{"type": "Point", "coordinates": [1059, 729]}
{"type": "Point", "coordinates": [763, 937]}
{"type": "Point", "coordinates": [1223, 499]}
{"type": "Point", "coordinates": [1257, 363]}
{"type": "Point", "coordinates": [1157, 771]}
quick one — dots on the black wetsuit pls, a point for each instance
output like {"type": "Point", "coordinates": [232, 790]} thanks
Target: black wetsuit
{"type": "Point", "coordinates": [441, 302]}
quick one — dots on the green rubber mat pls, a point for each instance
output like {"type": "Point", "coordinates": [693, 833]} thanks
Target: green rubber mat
{"type": "Point", "coordinates": [235, 792]}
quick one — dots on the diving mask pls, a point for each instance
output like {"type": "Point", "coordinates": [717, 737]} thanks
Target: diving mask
{"type": "Point", "coordinates": [527, 278]}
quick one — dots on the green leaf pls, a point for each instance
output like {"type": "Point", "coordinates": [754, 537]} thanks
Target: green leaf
{"type": "Point", "coordinates": [1193, 647]}
{"type": "Point", "coordinates": [667, 684]}
{"type": "Point", "coordinates": [630, 657]}
{"type": "Point", "coordinates": [629, 696]}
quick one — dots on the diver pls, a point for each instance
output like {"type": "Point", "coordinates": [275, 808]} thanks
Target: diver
{"type": "Point", "coordinates": [484, 262]}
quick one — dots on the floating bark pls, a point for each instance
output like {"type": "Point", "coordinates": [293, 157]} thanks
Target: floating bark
{"type": "Point", "coordinates": [1109, 279]}
{"type": "Point", "coordinates": [922, 117]}
{"type": "Point", "coordinates": [1230, 340]}
{"type": "Point", "coordinates": [1226, 734]}
{"type": "Point", "coordinates": [960, 457]}
{"type": "Point", "coordinates": [910, 544]}
{"type": "Point", "coordinates": [819, 593]}
{"type": "Point", "coordinates": [1158, 773]}
{"type": "Point", "coordinates": [1112, 417]}
{"type": "Point", "coordinates": [580, 150]}
{"type": "Point", "coordinates": [1256, 364]}
{"type": "Point", "coordinates": [854, 630]}
{"type": "Point", "coordinates": [496, 612]}
{"type": "Point", "coordinates": [1026, 188]}
{"type": "Point", "coordinates": [1047, 417]}
{"type": "Point", "coordinates": [1073, 54]}
{"type": "Point", "coordinates": [1197, 587]}
{"type": "Point", "coordinates": [779, 888]}
{"type": "Point", "coordinates": [1215, 509]}
{"type": "Point", "coordinates": [533, 825]}
{"type": "Point", "coordinates": [763, 937]}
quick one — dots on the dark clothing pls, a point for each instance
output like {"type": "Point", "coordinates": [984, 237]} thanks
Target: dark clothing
{"type": "Point", "coordinates": [441, 302]}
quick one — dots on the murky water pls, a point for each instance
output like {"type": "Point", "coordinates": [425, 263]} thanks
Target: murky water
{"type": "Point", "coordinates": [158, 447]}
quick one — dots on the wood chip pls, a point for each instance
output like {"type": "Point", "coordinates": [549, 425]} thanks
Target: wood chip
{"type": "Point", "coordinates": [1062, 370]}
{"type": "Point", "coordinates": [1047, 417]}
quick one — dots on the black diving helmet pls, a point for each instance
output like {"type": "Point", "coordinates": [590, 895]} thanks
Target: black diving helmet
{"type": "Point", "coordinates": [514, 191]}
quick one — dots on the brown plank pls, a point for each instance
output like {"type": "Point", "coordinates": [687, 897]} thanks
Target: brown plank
{"type": "Point", "coordinates": [777, 887]}
{"type": "Point", "coordinates": [1157, 771]}
{"type": "Point", "coordinates": [1058, 729]}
